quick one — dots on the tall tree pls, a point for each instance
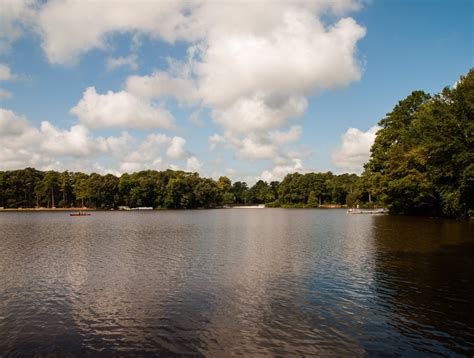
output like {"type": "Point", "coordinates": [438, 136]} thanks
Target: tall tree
{"type": "Point", "coordinates": [421, 158]}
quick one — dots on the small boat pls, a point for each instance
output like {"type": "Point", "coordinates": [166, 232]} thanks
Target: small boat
{"type": "Point", "coordinates": [80, 213]}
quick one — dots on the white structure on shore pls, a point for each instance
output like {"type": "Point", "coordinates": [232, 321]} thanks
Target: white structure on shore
{"type": "Point", "coordinates": [127, 208]}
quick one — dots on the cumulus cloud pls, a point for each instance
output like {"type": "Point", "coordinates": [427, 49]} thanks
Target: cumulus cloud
{"type": "Point", "coordinates": [81, 32]}
{"type": "Point", "coordinates": [16, 132]}
{"type": "Point", "coordinates": [18, 140]}
{"type": "Point", "coordinates": [280, 170]}
{"type": "Point", "coordinates": [282, 138]}
{"type": "Point", "coordinates": [270, 146]}
{"type": "Point", "coordinates": [255, 114]}
{"type": "Point", "coordinates": [252, 65]}
{"type": "Point", "coordinates": [120, 109]}
{"type": "Point", "coordinates": [177, 150]}
{"type": "Point", "coordinates": [255, 74]}
{"type": "Point", "coordinates": [18, 135]}
{"type": "Point", "coordinates": [128, 61]}
{"type": "Point", "coordinates": [354, 150]}
{"type": "Point", "coordinates": [167, 20]}
{"type": "Point", "coordinates": [76, 148]}
{"type": "Point", "coordinates": [253, 148]}
{"type": "Point", "coordinates": [73, 142]}
{"type": "Point", "coordinates": [147, 155]}
{"type": "Point", "coordinates": [11, 124]}
{"type": "Point", "coordinates": [299, 56]}
{"type": "Point", "coordinates": [15, 17]}
{"type": "Point", "coordinates": [162, 84]}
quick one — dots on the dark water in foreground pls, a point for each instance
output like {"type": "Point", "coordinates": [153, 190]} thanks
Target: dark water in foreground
{"type": "Point", "coordinates": [221, 282]}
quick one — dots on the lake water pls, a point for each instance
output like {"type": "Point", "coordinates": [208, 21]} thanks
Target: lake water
{"type": "Point", "coordinates": [236, 281]}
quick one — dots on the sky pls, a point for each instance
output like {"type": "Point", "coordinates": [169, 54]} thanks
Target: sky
{"type": "Point", "coordinates": [248, 89]}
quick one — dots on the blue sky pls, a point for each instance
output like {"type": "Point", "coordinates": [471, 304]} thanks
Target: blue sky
{"type": "Point", "coordinates": [253, 91]}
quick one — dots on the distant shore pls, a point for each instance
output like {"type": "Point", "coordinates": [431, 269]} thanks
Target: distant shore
{"type": "Point", "coordinates": [324, 206]}
{"type": "Point", "coordinates": [46, 209]}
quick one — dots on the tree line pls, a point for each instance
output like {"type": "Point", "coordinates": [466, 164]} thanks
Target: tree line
{"type": "Point", "coordinates": [422, 160]}
{"type": "Point", "coordinates": [170, 189]}
{"type": "Point", "coordinates": [421, 163]}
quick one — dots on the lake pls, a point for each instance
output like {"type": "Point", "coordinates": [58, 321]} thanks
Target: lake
{"type": "Point", "coordinates": [235, 281]}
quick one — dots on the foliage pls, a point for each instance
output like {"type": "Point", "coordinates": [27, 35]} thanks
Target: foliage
{"type": "Point", "coordinates": [422, 159]}
{"type": "Point", "coordinates": [168, 190]}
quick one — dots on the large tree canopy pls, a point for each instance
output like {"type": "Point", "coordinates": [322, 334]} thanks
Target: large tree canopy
{"type": "Point", "coordinates": [422, 158]}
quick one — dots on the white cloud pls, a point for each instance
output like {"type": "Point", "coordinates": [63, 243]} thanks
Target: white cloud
{"type": "Point", "coordinates": [119, 109]}
{"type": "Point", "coordinates": [260, 145]}
{"type": "Point", "coordinates": [279, 171]}
{"type": "Point", "coordinates": [161, 84]}
{"type": "Point", "coordinates": [254, 72]}
{"type": "Point", "coordinates": [68, 29]}
{"type": "Point", "coordinates": [251, 64]}
{"type": "Point", "coordinates": [76, 148]}
{"type": "Point", "coordinates": [18, 141]}
{"type": "Point", "coordinates": [11, 124]}
{"type": "Point", "coordinates": [299, 56]}
{"type": "Point", "coordinates": [354, 150]}
{"type": "Point", "coordinates": [129, 61]}
{"type": "Point", "coordinates": [146, 155]}
{"type": "Point", "coordinates": [5, 73]}
{"type": "Point", "coordinates": [11, 159]}
{"type": "Point", "coordinates": [253, 148]}
{"type": "Point", "coordinates": [281, 138]}
{"type": "Point", "coordinates": [177, 149]}
{"type": "Point", "coordinates": [15, 17]}
{"type": "Point", "coordinates": [193, 164]}
{"type": "Point", "coordinates": [117, 146]}
{"type": "Point", "coordinates": [214, 140]}
{"type": "Point", "coordinates": [16, 132]}
{"type": "Point", "coordinates": [256, 114]}
{"type": "Point", "coordinates": [71, 28]}
{"type": "Point", "coordinates": [75, 142]}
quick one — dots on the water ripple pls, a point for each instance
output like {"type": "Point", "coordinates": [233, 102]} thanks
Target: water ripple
{"type": "Point", "coordinates": [235, 282]}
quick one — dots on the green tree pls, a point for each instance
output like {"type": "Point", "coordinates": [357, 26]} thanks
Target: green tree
{"type": "Point", "coordinates": [420, 161]}
{"type": "Point", "coordinates": [80, 188]}
{"type": "Point", "coordinates": [239, 189]}
{"type": "Point", "coordinates": [225, 186]}
{"type": "Point", "coordinates": [313, 200]}
{"type": "Point", "coordinates": [49, 187]}
{"type": "Point", "coordinates": [65, 187]}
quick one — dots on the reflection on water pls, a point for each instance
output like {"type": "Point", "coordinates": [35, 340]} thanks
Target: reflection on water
{"type": "Point", "coordinates": [425, 278]}
{"type": "Point", "coordinates": [273, 281]}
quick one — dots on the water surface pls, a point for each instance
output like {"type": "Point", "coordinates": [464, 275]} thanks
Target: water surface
{"type": "Point", "coordinates": [236, 281]}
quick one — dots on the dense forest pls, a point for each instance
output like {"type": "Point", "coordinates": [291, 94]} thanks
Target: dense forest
{"type": "Point", "coordinates": [169, 190]}
{"type": "Point", "coordinates": [422, 163]}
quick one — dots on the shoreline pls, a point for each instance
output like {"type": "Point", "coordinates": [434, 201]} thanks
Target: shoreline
{"type": "Point", "coordinates": [26, 210]}
{"type": "Point", "coordinates": [30, 210]}
{"type": "Point", "coordinates": [48, 209]}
